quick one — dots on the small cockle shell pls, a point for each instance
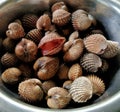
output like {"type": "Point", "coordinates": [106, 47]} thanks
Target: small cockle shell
{"type": "Point", "coordinates": [46, 85]}
{"type": "Point", "coordinates": [74, 36]}
{"type": "Point", "coordinates": [67, 84]}
{"type": "Point", "coordinates": [98, 84]}
{"type": "Point", "coordinates": [35, 35]}
{"type": "Point", "coordinates": [26, 50]}
{"type": "Point", "coordinates": [51, 43]}
{"type": "Point", "coordinates": [112, 49]}
{"type": "Point", "coordinates": [60, 17]}
{"type": "Point", "coordinates": [75, 71]}
{"type": "Point", "coordinates": [46, 67]}
{"type": "Point", "coordinates": [96, 43]}
{"type": "Point", "coordinates": [9, 59]}
{"type": "Point", "coordinates": [30, 90]}
{"type": "Point", "coordinates": [81, 20]}
{"type": "Point", "coordinates": [91, 62]}
{"type": "Point", "coordinates": [105, 65]}
{"type": "Point", "coordinates": [58, 98]}
{"type": "Point", "coordinates": [44, 22]}
{"type": "Point", "coordinates": [15, 31]}
{"type": "Point", "coordinates": [75, 51]}
{"type": "Point", "coordinates": [11, 75]}
{"type": "Point", "coordinates": [59, 5]}
{"type": "Point", "coordinates": [81, 89]}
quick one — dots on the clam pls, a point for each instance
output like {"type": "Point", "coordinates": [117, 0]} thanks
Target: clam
{"type": "Point", "coordinates": [46, 67]}
{"type": "Point", "coordinates": [51, 43]}
{"type": "Point", "coordinates": [11, 76]}
{"type": "Point", "coordinates": [75, 71]}
{"type": "Point", "coordinates": [74, 36]}
{"type": "Point", "coordinates": [67, 84]}
{"type": "Point", "coordinates": [60, 17]}
{"type": "Point", "coordinates": [58, 98]}
{"type": "Point", "coordinates": [26, 50]}
{"type": "Point", "coordinates": [44, 22]}
{"type": "Point", "coordinates": [75, 51]}
{"type": "Point", "coordinates": [81, 89]}
{"type": "Point", "coordinates": [30, 90]}
{"type": "Point", "coordinates": [112, 49]}
{"type": "Point", "coordinates": [98, 84]}
{"type": "Point", "coordinates": [9, 59]}
{"type": "Point", "coordinates": [91, 62]}
{"type": "Point", "coordinates": [96, 43]}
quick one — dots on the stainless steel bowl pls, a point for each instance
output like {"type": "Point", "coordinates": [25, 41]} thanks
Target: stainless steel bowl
{"type": "Point", "coordinates": [106, 12]}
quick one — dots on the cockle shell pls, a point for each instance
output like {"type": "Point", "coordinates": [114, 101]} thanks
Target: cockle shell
{"type": "Point", "coordinates": [81, 20]}
{"type": "Point", "coordinates": [98, 84]}
{"type": "Point", "coordinates": [75, 71]}
{"type": "Point", "coordinates": [15, 31]}
{"type": "Point", "coordinates": [105, 65]}
{"type": "Point", "coordinates": [60, 17]}
{"type": "Point", "coordinates": [11, 76]}
{"type": "Point", "coordinates": [96, 43]}
{"type": "Point", "coordinates": [67, 84]}
{"type": "Point", "coordinates": [63, 71]}
{"type": "Point", "coordinates": [81, 89]}
{"type": "Point", "coordinates": [30, 90]}
{"type": "Point", "coordinates": [74, 36]}
{"type": "Point", "coordinates": [59, 5]}
{"type": "Point", "coordinates": [58, 98]}
{"type": "Point", "coordinates": [26, 50]}
{"type": "Point", "coordinates": [112, 49]}
{"type": "Point", "coordinates": [44, 22]}
{"type": "Point", "coordinates": [46, 67]}
{"type": "Point", "coordinates": [67, 45]}
{"type": "Point", "coordinates": [75, 51]}
{"type": "Point", "coordinates": [35, 35]}
{"type": "Point", "coordinates": [91, 62]}
{"type": "Point", "coordinates": [51, 43]}
{"type": "Point", "coordinates": [9, 59]}
{"type": "Point", "coordinates": [46, 85]}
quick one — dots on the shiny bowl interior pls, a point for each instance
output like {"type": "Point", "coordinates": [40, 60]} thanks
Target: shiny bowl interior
{"type": "Point", "coordinates": [107, 12]}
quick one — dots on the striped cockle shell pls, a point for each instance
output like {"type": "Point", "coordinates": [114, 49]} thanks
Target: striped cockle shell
{"type": "Point", "coordinates": [61, 17]}
{"type": "Point", "coordinates": [35, 35]}
{"type": "Point", "coordinates": [67, 84]}
{"type": "Point", "coordinates": [75, 71]}
{"type": "Point", "coordinates": [75, 51]}
{"type": "Point", "coordinates": [96, 43]}
{"type": "Point", "coordinates": [11, 76]}
{"type": "Point", "coordinates": [46, 67]}
{"type": "Point", "coordinates": [31, 90]}
{"type": "Point", "coordinates": [51, 43]}
{"type": "Point", "coordinates": [81, 89]}
{"type": "Point", "coordinates": [58, 98]}
{"type": "Point", "coordinates": [44, 22]}
{"type": "Point", "coordinates": [112, 49]}
{"type": "Point", "coordinates": [91, 62]}
{"type": "Point", "coordinates": [81, 20]}
{"type": "Point", "coordinates": [98, 84]}
{"type": "Point", "coordinates": [9, 59]}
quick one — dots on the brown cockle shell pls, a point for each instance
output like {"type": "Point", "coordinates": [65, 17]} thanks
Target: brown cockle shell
{"type": "Point", "coordinates": [26, 50]}
{"type": "Point", "coordinates": [81, 20]}
{"type": "Point", "coordinates": [44, 22]}
{"type": "Point", "coordinates": [96, 43]}
{"type": "Point", "coordinates": [60, 17]}
{"type": "Point", "coordinates": [74, 36]}
{"type": "Point", "coordinates": [30, 90]}
{"type": "Point", "coordinates": [46, 85]}
{"type": "Point", "coordinates": [58, 98]}
{"type": "Point", "coordinates": [98, 84]}
{"type": "Point", "coordinates": [11, 76]}
{"type": "Point", "coordinates": [35, 35]}
{"type": "Point", "coordinates": [105, 65]}
{"type": "Point", "coordinates": [75, 71]}
{"type": "Point", "coordinates": [51, 43]}
{"type": "Point", "coordinates": [67, 84]}
{"type": "Point", "coordinates": [9, 59]}
{"type": "Point", "coordinates": [46, 67]}
{"type": "Point", "coordinates": [91, 62]}
{"type": "Point", "coordinates": [81, 89]}
{"type": "Point", "coordinates": [75, 51]}
{"type": "Point", "coordinates": [112, 49]}
{"type": "Point", "coordinates": [15, 31]}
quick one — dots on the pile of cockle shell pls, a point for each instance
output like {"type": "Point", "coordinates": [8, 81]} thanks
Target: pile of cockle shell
{"type": "Point", "coordinates": [56, 56]}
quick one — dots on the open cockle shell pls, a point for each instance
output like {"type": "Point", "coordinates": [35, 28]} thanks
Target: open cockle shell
{"type": "Point", "coordinates": [81, 89]}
